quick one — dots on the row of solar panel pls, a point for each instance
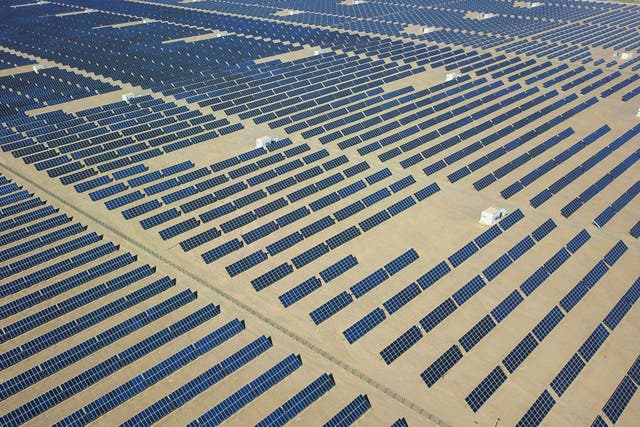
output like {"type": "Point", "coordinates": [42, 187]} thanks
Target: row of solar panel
{"type": "Point", "coordinates": [464, 293]}
{"type": "Point", "coordinates": [395, 303]}
{"type": "Point", "coordinates": [124, 358]}
{"type": "Point", "coordinates": [90, 346]}
{"type": "Point", "coordinates": [585, 166]}
{"type": "Point", "coordinates": [527, 345]}
{"type": "Point", "coordinates": [617, 403]}
{"type": "Point", "coordinates": [496, 136]}
{"type": "Point", "coordinates": [550, 164]}
{"type": "Point", "coordinates": [338, 239]}
{"type": "Point", "coordinates": [502, 310]}
{"type": "Point", "coordinates": [154, 375]}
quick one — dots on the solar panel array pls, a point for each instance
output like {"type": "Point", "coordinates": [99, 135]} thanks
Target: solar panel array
{"type": "Point", "coordinates": [158, 267]}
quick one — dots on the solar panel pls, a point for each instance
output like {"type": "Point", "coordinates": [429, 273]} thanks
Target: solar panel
{"type": "Point", "coordinates": [615, 253]}
{"type": "Point", "coordinates": [369, 282]}
{"type": "Point", "coordinates": [401, 344]}
{"type": "Point", "coordinates": [441, 366]}
{"type": "Point", "coordinates": [497, 267]}
{"type": "Point", "coordinates": [619, 400]}
{"type": "Point", "coordinates": [350, 413]}
{"type": "Point", "coordinates": [543, 230]}
{"type": "Point", "coordinates": [486, 388]}
{"type": "Point", "coordinates": [310, 255]}
{"type": "Point", "coordinates": [343, 237]}
{"type": "Point", "coordinates": [438, 314]}
{"type": "Point", "coordinates": [511, 219]}
{"type": "Point", "coordinates": [300, 291]}
{"type": "Point", "coordinates": [506, 306]}
{"type": "Point", "coordinates": [400, 299]}
{"type": "Point", "coordinates": [338, 268]}
{"type": "Point", "coordinates": [593, 342]}
{"type": "Point", "coordinates": [468, 290]}
{"type": "Point", "coordinates": [477, 333]}
{"type": "Point", "coordinates": [537, 411]}
{"type": "Point", "coordinates": [284, 243]}
{"type": "Point", "coordinates": [401, 262]}
{"type": "Point", "coordinates": [364, 325]}
{"type": "Point", "coordinates": [300, 401]}
{"type": "Point", "coordinates": [433, 275]}
{"type": "Point", "coordinates": [487, 236]}
{"type": "Point", "coordinates": [271, 276]}
{"type": "Point", "coordinates": [331, 307]}
{"type": "Point", "coordinates": [463, 254]}
{"type": "Point", "coordinates": [557, 260]}
{"type": "Point", "coordinates": [246, 263]}
{"type": "Point", "coordinates": [519, 353]}
{"type": "Point", "coordinates": [567, 374]}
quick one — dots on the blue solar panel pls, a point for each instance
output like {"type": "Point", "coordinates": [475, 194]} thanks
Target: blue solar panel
{"type": "Point", "coordinates": [301, 400]}
{"type": "Point", "coordinates": [246, 263]}
{"type": "Point", "coordinates": [487, 236]}
{"type": "Point", "coordinates": [310, 255]}
{"type": "Point", "coordinates": [593, 342]}
{"type": "Point", "coordinates": [463, 254]}
{"type": "Point", "coordinates": [477, 333]}
{"type": "Point", "coordinates": [300, 291]}
{"type": "Point", "coordinates": [567, 374]}
{"type": "Point", "coordinates": [537, 411]}
{"type": "Point", "coordinates": [401, 206]}
{"type": "Point", "coordinates": [497, 267]}
{"type": "Point", "coordinates": [343, 237]}
{"type": "Point", "coordinates": [427, 191]}
{"type": "Point", "coordinates": [400, 299]}
{"type": "Point", "coordinates": [331, 307]}
{"type": "Point", "coordinates": [369, 282]}
{"type": "Point", "coordinates": [284, 243]}
{"type": "Point", "coordinates": [511, 219]}
{"type": "Point", "coordinates": [438, 314]}
{"type": "Point", "coordinates": [222, 250]}
{"type": "Point", "coordinates": [521, 248]}
{"type": "Point", "coordinates": [271, 276]}
{"type": "Point", "coordinates": [486, 388]}
{"type": "Point", "coordinates": [519, 353]}
{"type": "Point", "coordinates": [401, 262]}
{"type": "Point", "coordinates": [364, 325]}
{"type": "Point", "coordinates": [557, 260]}
{"type": "Point", "coordinates": [433, 275]}
{"type": "Point", "coordinates": [615, 253]}
{"type": "Point", "coordinates": [441, 366]}
{"type": "Point", "coordinates": [544, 229]}
{"type": "Point", "coordinates": [506, 306]}
{"type": "Point", "coordinates": [468, 290]}
{"type": "Point", "coordinates": [401, 344]}
{"type": "Point", "coordinates": [619, 400]}
{"type": "Point", "coordinates": [338, 268]}
{"type": "Point", "coordinates": [350, 413]}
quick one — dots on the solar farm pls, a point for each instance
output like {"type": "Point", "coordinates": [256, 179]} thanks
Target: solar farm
{"type": "Point", "coordinates": [268, 213]}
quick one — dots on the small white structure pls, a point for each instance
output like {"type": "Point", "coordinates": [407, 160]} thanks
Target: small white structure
{"type": "Point", "coordinates": [490, 215]}
{"type": "Point", "coordinates": [626, 55]}
{"type": "Point", "coordinates": [426, 30]}
{"type": "Point", "coordinates": [128, 96]}
{"type": "Point", "coordinates": [535, 4]}
{"type": "Point", "coordinates": [38, 67]}
{"type": "Point", "coordinates": [638, 113]}
{"type": "Point", "coordinates": [452, 76]}
{"type": "Point", "coordinates": [263, 141]}
{"type": "Point", "coordinates": [487, 15]}
{"type": "Point", "coordinates": [321, 51]}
